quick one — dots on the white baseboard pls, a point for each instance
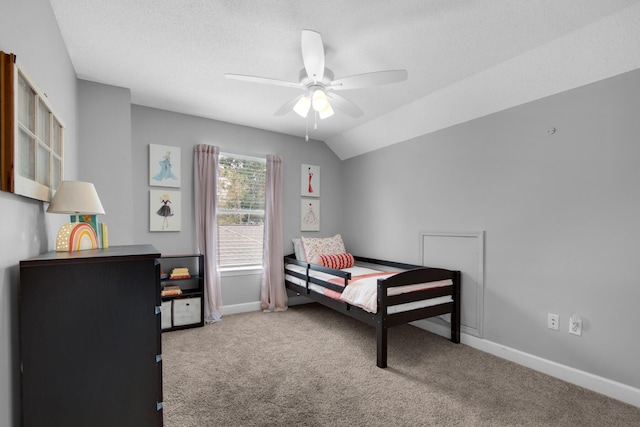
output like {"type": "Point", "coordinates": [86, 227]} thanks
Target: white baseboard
{"type": "Point", "coordinates": [240, 308]}
{"type": "Point", "coordinates": [607, 387]}
{"type": "Point", "coordinates": [255, 306]}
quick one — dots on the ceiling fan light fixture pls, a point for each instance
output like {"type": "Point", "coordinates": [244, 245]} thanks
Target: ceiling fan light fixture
{"type": "Point", "coordinates": [319, 85]}
{"type": "Point", "coordinates": [303, 106]}
{"type": "Point", "coordinates": [320, 101]}
{"type": "Point", "coordinates": [327, 112]}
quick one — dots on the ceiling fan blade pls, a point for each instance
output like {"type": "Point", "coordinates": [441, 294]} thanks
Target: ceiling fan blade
{"type": "Point", "coordinates": [263, 80]}
{"type": "Point", "coordinates": [313, 54]}
{"type": "Point", "coordinates": [288, 106]}
{"type": "Point", "coordinates": [376, 78]}
{"type": "Point", "coordinates": [343, 104]}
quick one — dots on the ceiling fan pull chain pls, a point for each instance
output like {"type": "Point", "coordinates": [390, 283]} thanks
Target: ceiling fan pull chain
{"type": "Point", "coordinates": [306, 126]}
{"type": "Point", "coordinates": [315, 120]}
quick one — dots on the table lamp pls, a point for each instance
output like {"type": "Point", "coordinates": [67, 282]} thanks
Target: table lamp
{"type": "Point", "coordinates": [76, 198]}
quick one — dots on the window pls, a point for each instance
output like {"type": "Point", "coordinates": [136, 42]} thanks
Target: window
{"type": "Point", "coordinates": [31, 136]}
{"type": "Point", "coordinates": [241, 201]}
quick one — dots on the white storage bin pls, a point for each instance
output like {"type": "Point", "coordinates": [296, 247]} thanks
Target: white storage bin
{"type": "Point", "coordinates": [186, 311]}
{"type": "Point", "coordinates": [166, 315]}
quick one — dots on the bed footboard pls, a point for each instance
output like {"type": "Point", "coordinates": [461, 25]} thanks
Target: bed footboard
{"type": "Point", "coordinates": [386, 302]}
{"type": "Point", "coordinates": [394, 307]}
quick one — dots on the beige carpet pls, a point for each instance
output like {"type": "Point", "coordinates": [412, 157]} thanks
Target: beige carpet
{"type": "Point", "coordinates": [311, 366]}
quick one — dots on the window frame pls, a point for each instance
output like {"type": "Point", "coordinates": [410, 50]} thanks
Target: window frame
{"type": "Point", "coordinates": [241, 268]}
{"type": "Point", "coordinates": [46, 141]}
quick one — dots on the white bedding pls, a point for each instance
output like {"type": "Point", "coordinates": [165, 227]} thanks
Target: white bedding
{"type": "Point", "coordinates": [363, 293]}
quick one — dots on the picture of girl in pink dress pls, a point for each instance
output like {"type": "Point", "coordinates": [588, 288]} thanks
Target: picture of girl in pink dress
{"type": "Point", "coordinates": [310, 180]}
{"type": "Point", "coordinates": [310, 218]}
{"type": "Point", "coordinates": [309, 215]}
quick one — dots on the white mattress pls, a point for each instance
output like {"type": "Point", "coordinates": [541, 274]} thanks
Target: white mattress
{"type": "Point", "coordinates": [360, 271]}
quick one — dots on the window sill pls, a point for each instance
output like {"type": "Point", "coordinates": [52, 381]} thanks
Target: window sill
{"type": "Point", "coordinates": [241, 271]}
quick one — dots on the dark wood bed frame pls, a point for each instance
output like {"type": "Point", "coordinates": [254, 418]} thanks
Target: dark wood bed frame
{"type": "Point", "coordinates": [381, 320]}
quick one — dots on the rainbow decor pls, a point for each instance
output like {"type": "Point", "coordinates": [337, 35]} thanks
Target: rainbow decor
{"type": "Point", "coordinates": [83, 236]}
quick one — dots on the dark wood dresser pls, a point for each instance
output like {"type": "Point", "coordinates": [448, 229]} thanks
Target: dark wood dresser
{"type": "Point", "coordinates": [90, 338]}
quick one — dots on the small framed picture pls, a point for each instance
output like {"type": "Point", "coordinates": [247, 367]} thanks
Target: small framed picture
{"type": "Point", "coordinates": [310, 181]}
{"type": "Point", "coordinates": [164, 210]}
{"type": "Point", "coordinates": [164, 166]}
{"type": "Point", "coordinates": [310, 215]}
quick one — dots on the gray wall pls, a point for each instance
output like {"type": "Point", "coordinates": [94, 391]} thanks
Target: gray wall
{"type": "Point", "coordinates": [115, 157]}
{"type": "Point", "coordinates": [25, 229]}
{"type": "Point", "coordinates": [105, 154]}
{"type": "Point", "coordinates": [152, 126]}
{"type": "Point", "coordinates": [560, 214]}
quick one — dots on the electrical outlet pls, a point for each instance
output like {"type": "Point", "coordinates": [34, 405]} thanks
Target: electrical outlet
{"type": "Point", "coordinates": [575, 325]}
{"type": "Point", "coordinates": [553, 321]}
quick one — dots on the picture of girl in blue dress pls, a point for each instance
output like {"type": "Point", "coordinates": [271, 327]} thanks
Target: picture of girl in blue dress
{"type": "Point", "coordinates": [165, 168]}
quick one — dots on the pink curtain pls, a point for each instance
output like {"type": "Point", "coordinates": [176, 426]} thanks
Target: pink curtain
{"type": "Point", "coordinates": [205, 183]}
{"type": "Point", "coordinates": [273, 295]}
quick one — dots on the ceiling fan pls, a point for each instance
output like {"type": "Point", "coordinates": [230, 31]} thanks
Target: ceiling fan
{"type": "Point", "coordinates": [319, 85]}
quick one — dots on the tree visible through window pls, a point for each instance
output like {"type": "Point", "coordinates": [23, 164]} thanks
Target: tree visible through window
{"type": "Point", "coordinates": [241, 201]}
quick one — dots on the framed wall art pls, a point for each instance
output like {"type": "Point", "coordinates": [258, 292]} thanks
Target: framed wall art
{"type": "Point", "coordinates": [310, 215]}
{"type": "Point", "coordinates": [164, 210]}
{"type": "Point", "coordinates": [164, 166]}
{"type": "Point", "coordinates": [31, 135]}
{"type": "Point", "coordinates": [310, 181]}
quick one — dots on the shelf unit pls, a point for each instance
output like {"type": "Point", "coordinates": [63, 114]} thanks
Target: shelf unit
{"type": "Point", "coordinates": [187, 309]}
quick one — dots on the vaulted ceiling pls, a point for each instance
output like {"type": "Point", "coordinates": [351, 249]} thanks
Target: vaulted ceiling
{"type": "Point", "coordinates": [465, 58]}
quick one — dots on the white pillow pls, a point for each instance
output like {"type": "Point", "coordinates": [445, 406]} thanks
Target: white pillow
{"type": "Point", "coordinates": [322, 246]}
{"type": "Point", "coordinates": [298, 249]}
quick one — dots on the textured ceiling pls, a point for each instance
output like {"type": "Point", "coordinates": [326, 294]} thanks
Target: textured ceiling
{"type": "Point", "coordinates": [465, 59]}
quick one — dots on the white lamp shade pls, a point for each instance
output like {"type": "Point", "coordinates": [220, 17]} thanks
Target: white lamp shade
{"type": "Point", "coordinates": [327, 112]}
{"type": "Point", "coordinates": [320, 101]}
{"type": "Point", "coordinates": [302, 106]}
{"type": "Point", "coordinates": [76, 197]}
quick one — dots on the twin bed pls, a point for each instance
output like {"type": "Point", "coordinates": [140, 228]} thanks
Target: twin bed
{"type": "Point", "coordinates": [379, 293]}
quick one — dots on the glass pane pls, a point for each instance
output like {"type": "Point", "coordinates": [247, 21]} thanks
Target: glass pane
{"type": "Point", "coordinates": [240, 244]}
{"type": "Point", "coordinates": [245, 218]}
{"type": "Point", "coordinates": [43, 124]}
{"type": "Point", "coordinates": [26, 156]}
{"type": "Point", "coordinates": [241, 183]}
{"type": "Point", "coordinates": [56, 172]}
{"type": "Point", "coordinates": [57, 138]}
{"type": "Point", "coordinates": [26, 105]}
{"type": "Point", "coordinates": [42, 161]}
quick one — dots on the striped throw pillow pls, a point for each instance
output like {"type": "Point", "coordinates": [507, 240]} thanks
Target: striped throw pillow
{"type": "Point", "coordinates": [337, 261]}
